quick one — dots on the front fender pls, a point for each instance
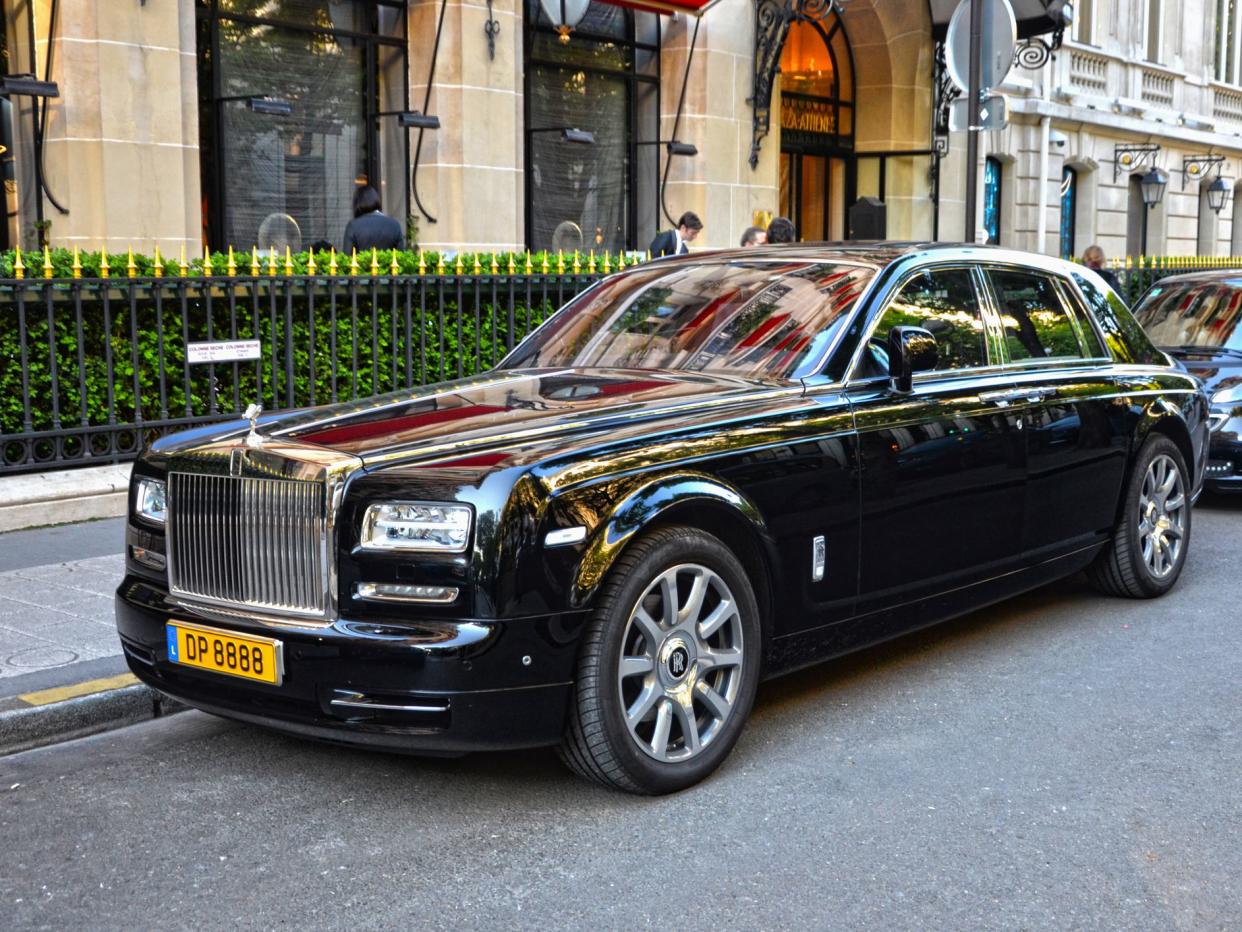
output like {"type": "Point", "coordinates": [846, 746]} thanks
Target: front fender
{"type": "Point", "coordinates": [645, 504]}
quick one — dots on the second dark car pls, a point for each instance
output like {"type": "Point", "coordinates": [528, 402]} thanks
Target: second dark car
{"type": "Point", "coordinates": [1197, 319]}
{"type": "Point", "coordinates": [699, 473]}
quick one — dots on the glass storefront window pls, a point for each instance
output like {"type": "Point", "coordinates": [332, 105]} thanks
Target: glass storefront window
{"type": "Point", "coordinates": [605, 80]}
{"type": "Point", "coordinates": [1069, 206]}
{"type": "Point", "coordinates": [289, 179]}
{"type": "Point", "coordinates": [992, 199]}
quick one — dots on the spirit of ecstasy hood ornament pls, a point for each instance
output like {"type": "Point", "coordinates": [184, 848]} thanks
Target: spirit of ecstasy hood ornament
{"type": "Point", "coordinates": [252, 415]}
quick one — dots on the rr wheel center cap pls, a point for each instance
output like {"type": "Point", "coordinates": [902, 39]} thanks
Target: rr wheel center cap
{"type": "Point", "coordinates": [677, 657]}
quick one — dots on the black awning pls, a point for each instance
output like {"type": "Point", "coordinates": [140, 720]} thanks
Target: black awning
{"type": "Point", "coordinates": [1035, 17]}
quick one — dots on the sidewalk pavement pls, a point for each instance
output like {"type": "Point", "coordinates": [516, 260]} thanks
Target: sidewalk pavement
{"type": "Point", "coordinates": [61, 670]}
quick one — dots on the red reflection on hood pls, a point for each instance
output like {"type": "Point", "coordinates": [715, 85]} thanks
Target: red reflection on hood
{"type": "Point", "coordinates": [351, 433]}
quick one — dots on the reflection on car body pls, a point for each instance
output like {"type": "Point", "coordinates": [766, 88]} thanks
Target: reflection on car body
{"type": "Point", "coordinates": [700, 472]}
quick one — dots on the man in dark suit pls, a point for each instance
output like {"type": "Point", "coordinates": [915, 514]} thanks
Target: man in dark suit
{"type": "Point", "coordinates": [674, 242]}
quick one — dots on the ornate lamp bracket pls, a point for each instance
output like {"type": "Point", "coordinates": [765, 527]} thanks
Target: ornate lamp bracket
{"type": "Point", "coordinates": [772, 21]}
{"type": "Point", "coordinates": [1196, 167]}
{"type": "Point", "coordinates": [1132, 158]}
{"type": "Point", "coordinates": [946, 93]}
{"type": "Point", "coordinates": [1035, 52]}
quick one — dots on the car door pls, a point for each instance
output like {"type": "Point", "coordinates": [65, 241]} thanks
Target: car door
{"type": "Point", "coordinates": [943, 467]}
{"type": "Point", "coordinates": [1076, 429]}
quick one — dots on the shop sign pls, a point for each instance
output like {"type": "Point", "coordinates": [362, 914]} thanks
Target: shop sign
{"type": "Point", "coordinates": [223, 351]}
{"type": "Point", "coordinates": [807, 116]}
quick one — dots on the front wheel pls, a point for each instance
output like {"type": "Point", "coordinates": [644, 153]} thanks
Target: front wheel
{"type": "Point", "coordinates": [669, 666]}
{"type": "Point", "coordinates": [1148, 547]}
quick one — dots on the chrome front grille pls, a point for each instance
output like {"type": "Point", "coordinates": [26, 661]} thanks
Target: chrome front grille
{"type": "Point", "coordinates": [248, 542]}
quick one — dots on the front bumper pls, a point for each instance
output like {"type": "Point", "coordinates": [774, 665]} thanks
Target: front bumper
{"type": "Point", "coordinates": [417, 686]}
{"type": "Point", "coordinates": [1224, 465]}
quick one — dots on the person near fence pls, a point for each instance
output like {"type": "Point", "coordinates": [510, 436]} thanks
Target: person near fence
{"type": "Point", "coordinates": [1093, 258]}
{"type": "Point", "coordinates": [781, 230]}
{"type": "Point", "coordinates": [675, 242]}
{"type": "Point", "coordinates": [754, 236]}
{"type": "Point", "coordinates": [371, 228]}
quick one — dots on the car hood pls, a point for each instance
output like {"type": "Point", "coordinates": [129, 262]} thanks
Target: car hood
{"type": "Point", "coordinates": [502, 416]}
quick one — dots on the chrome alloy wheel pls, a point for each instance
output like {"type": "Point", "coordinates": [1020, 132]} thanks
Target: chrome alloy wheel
{"type": "Point", "coordinates": [681, 663]}
{"type": "Point", "coordinates": [1162, 516]}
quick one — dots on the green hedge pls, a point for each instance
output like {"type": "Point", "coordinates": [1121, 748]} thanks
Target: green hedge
{"type": "Point", "coordinates": [372, 343]}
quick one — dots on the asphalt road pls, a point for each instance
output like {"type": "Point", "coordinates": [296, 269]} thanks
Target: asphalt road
{"type": "Point", "coordinates": [1061, 761]}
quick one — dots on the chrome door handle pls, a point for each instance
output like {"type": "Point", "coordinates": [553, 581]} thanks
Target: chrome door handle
{"type": "Point", "coordinates": [1010, 396]}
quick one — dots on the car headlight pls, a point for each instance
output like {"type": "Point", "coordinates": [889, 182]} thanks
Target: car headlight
{"type": "Point", "coordinates": [1228, 396]}
{"type": "Point", "coordinates": [151, 503]}
{"type": "Point", "coordinates": [416, 526]}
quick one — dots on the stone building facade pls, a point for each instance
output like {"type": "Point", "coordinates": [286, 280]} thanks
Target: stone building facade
{"type": "Point", "coordinates": [157, 139]}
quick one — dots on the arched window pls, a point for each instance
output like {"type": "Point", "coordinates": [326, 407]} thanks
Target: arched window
{"type": "Point", "coordinates": [604, 81]}
{"type": "Point", "coordinates": [992, 198]}
{"type": "Point", "coordinates": [1069, 210]}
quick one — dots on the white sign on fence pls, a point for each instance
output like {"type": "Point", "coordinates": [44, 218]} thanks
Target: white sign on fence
{"type": "Point", "coordinates": [223, 351]}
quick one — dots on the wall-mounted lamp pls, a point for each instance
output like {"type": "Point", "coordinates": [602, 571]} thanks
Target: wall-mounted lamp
{"type": "Point", "coordinates": [1132, 158]}
{"type": "Point", "coordinates": [1153, 185]}
{"type": "Point", "coordinates": [1217, 194]}
{"type": "Point", "coordinates": [1195, 167]}
{"type": "Point", "coordinates": [564, 15]}
{"type": "Point", "coordinates": [27, 85]}
{"type": "Point", "coordinates": [579, 137]}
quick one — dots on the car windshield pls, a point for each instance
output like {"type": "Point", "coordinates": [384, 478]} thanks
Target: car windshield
{"type": "Point", "coordinates": [751, 319]}
{"type": "Point", "coordinates": [1204, 314]}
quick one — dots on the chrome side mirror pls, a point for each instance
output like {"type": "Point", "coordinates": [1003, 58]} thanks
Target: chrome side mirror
{"type": "Point", "coordinates": [910, 350]}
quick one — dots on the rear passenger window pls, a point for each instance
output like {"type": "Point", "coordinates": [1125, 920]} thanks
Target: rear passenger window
{"type": "Point", "coordinates": [944, 302]}
{"type": "Point", "coordinates": [1037, 323]}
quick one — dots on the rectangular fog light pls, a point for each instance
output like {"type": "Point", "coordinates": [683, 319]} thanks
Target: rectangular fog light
{"type": "Point", "coordinates": [399, 592]}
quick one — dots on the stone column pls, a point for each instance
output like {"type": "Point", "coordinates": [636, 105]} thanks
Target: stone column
{"type": "Point", "coordinates": [470, 175]}
{"type": "Point", "coordinates": [121, 144]}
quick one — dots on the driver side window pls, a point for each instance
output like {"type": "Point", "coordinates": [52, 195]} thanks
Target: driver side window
{"type": "Point", "coordinates": [943, 302]}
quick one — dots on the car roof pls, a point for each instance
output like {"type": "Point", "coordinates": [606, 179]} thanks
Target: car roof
{"type": "Point", "coordinates": [1195, 278]}
{"type": "Point", "coordinates": [878, 254]}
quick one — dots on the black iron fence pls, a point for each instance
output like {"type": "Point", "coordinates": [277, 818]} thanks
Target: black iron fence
{"type": "Point", "coordinates": [91, 370]}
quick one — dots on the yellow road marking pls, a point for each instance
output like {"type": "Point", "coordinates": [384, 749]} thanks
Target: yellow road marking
{"type": "Point", "coordinates": [61, 693]}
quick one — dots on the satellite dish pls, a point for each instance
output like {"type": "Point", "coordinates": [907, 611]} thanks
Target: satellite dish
{"type": "Point", "coordinates": [280, 231]}
{"type": "Point", "coordinates": [566, 237]}
{"type": "Point", "coordinates": [1000, 37]}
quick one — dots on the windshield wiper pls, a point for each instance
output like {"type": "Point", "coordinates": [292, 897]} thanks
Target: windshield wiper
{"type": "Point", "coordinates": [1206, 350]}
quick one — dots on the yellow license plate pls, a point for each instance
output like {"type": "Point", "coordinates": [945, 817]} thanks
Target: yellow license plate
{"type": "Point", "coordinates": [243, 655]}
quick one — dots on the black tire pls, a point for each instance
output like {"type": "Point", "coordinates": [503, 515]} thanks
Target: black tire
{"type": "Point", "coordinates": [1121, 568]}
{"type": "Point", "coordinates": [598, 744]}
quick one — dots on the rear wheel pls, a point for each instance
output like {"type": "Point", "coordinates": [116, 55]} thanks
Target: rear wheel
{"type": "Point", "coordinates": [669, 666]}
{"type": "Point", "coordinates": [1148, 547]}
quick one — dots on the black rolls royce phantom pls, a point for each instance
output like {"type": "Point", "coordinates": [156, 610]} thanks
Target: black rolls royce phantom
{"type": "Point", "coordinates": [701, 472]}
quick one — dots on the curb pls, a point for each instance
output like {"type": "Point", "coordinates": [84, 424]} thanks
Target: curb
{"type": "Point", "coordinates": [63, 497]}
{"type": "Point", "coordinates": [39, 719]}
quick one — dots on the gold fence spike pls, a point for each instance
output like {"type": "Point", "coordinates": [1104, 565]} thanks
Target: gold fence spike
{"type": "Point", "coordinates": [512, 264]}
{"type": "Point", "coordinates": [495, 265]}
{"type": "Point", "coordinates": [47, 263]}
{"type": "Point", "coordinates": [230, 263]}
{"type": "Point", "coordinates": [459, 267]}
{"type": "Point", "coordinates": [103, 262]}
{"type": "Point", "coordinates": [254, 261]}
{"type": "Point", "coordinates": [77, 263]}
{"type": "Point", "coordinates": [183, 267]}
{"type": "Point", "coordinates": [19, 267]}
{"type": "Point", "coordinates": [591, 263]}
{"type": "Point", "coordinates": [530, 265]}
{"type": "Point", "coordinates": [440, 270]}
{"type": "Point", "coordinates": [374, 262]}
{"type": "Point", "coordinates": [478, 267]}
{"type": "Point", "coordinates": [544, 263]}
{"type": "Point", "coordinates": [131, 269]}
{"type": "Point", "coordinates": [332, 261]}
{"type": "Point", "coordinates": [271, 261]}
{"type": "Point", "coordinates": [422, 263]}
{"type": "Point", "coordinates": [311, 268]}
{"type": "Point", "coordinates": [395, 267]}
{"type": "Point", "coordinates": [577, 263]}
{"type": "Point", "coordinates": [353, 261]}
{"type": "Point", "coordinates": [288, 260]}
{"type": "Point", "coordinates": [621, 260]}
{"type": "Point", "coordinates": [158, 265]}
{"type": "Point", "coordinates": [648, 259]}
{"type": "Point", "coordinates": [607, 266]}
{"type": "Point", "coordinates": [207, 267]}
{"type": "Point", "coordinates": [560, 262]}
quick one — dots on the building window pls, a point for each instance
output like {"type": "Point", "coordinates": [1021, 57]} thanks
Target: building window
{"type": "Point", "coordinates": [1069, 208]}
{"type": "Point", "coordinates": [1084, 21]}
{"type": "Point", "coordinates": [1227, 43]}
{"type": "Point", "coordinates": [1155, 15]}
{"type": "Point", "coordinates": [277, 179]}
{"type": "Point", "coordinates": [606, 81]}
{"type": "Point", "coordinates": [992, 199]}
